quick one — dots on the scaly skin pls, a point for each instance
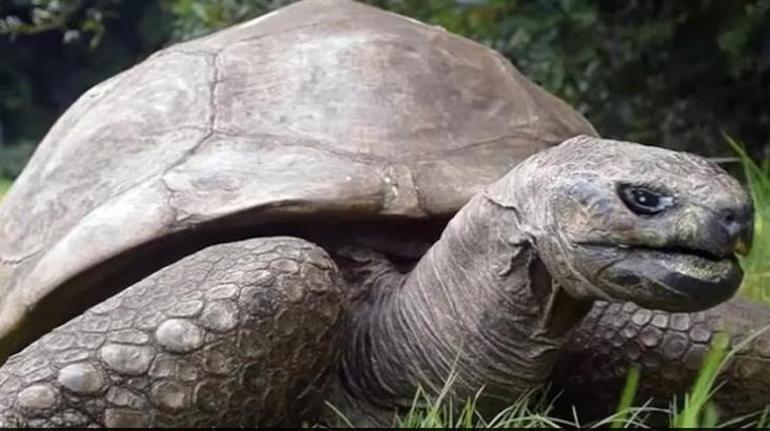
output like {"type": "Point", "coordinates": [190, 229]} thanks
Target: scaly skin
{"type": "Point", "coordinates": [239, 334]}
{"type": "Point", "coordinates": [669, 349]}
{"type": "Point", "coordinates": [468, 306]}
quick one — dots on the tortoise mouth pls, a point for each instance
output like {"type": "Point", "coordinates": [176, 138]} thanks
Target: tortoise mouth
{"type": "Point", "coordinates": [676, 254]}
{"type": "Point", "coordinates": [698, 277]}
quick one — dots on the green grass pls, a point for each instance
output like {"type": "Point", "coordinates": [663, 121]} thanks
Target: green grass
{"type": "Point", "coordinates": [4, 186]}
{"type": "Point", "coordinates": [756, 266]}
{"type": "Point", "coordinates": [530, 410]}
{"type": "Point", "coordinates": [623, 410]}
{"type": "Point", "coordinates": [534, 410]}
{"type": "Point", "coordinates": [698, 411]}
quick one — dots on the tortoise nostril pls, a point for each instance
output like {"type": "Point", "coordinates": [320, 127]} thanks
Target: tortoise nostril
{"type": "Point", "coordinates": [738, 225]}
{"type": "Point", "coordinates": [735, 221]}
{"type": "Point", "coordinates": [732, 227]}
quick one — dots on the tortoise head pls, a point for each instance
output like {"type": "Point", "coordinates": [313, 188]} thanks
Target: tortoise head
{"type": "Point", "coordinates": [623, 221]}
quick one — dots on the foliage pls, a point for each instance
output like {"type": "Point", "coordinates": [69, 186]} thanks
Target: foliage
{"type": "Point", "coordinates": [4, 186]}
{"type": "Point", "coordinates": [756, 266]}
{"type": "Point", "coordinates": [626, 398]}
{"type": "Point", "coordinates": [530, 410]}
{"type": "Point", "coordinates": [697, 408]}
{"type": "Point", "coordinates": [54, 50]}
{"type": "Point", "coordinates": [193, 18]}
{"type": "Point", "coordinates": [12, 158]}
{"type": "Point", "coordinates": [76, 19]}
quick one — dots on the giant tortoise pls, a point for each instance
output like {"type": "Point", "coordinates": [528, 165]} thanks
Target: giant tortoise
{"type": "Point", "coordinates": [332, 203]}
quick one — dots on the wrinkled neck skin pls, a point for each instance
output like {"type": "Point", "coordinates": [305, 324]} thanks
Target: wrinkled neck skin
{"type": "Point", "coordinates": [479, 303]}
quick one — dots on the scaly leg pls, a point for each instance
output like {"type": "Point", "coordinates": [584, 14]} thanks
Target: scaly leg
{"type": "Point", "coordinates": [669, 349]}
{"type": "Point", "coordinates": [237, 334]}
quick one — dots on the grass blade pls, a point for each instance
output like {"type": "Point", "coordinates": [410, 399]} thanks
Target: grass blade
{"type": "Point", "coordinates": [626, 398]}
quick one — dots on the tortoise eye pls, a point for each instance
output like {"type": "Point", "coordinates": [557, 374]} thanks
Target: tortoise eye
{"type": "Point", "coordinates": [644, 201]}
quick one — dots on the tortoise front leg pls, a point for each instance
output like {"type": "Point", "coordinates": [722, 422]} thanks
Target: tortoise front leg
{"type": "Point", "coordinates": [238, 334]}
{"type": "Point", "coordinates": [669, 349]}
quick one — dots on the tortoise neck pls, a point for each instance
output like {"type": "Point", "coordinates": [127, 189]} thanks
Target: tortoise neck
{"type": "Point", "coordinates": [475, 305]}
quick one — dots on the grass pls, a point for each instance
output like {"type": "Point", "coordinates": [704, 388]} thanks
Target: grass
{"type": "Point", "coordinates": [533, 409]}
{"type": "Point", "coordinates": [756, 266]}
{"type": "Point", "coordinates": [626, 399]}
{"type": "Point", "coordinates": [530, 410]}
{"type": "Point", "coordinates": [5, 184]}
{"type": "Point", "coordinates": [698, 411]}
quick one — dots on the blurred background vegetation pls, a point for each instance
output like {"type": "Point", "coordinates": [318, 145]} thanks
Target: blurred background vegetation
{"type": "Point", "coordinates": [670, 73]}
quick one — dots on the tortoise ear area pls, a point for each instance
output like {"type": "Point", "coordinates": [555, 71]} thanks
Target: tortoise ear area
{"type": "Point", "coordinates": [508, 243]}
{"type": "Point", "coordinates": [497, 194]}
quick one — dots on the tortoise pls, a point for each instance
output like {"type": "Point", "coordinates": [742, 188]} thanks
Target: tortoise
{"type": "Point", "coordinates": [333, 203]}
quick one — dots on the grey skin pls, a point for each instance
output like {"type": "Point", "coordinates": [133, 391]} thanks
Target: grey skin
{"type": "Point", "coordinates": [668, 348]}
{"type": "Point", "coordinates": [214, 239]}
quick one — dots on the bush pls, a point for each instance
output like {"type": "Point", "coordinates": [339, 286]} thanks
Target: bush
{"type": "Point", "coordinates": [13, 158]}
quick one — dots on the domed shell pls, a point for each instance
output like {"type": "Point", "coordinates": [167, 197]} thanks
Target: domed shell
{"type": "Point", "coordinates": [323, 108]}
